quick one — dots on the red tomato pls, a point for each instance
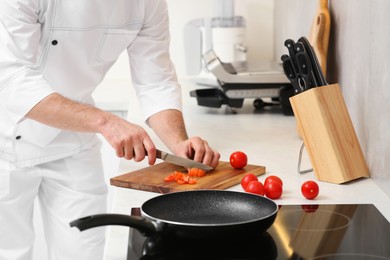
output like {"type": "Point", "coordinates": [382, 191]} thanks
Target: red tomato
{"type": "Point", "coordinates": [310, 189]}
{"type": "Point", "coordinates": [273, 190]}
{"type": "Point", "coordinates": [273, 178]}
{"type": "Point", "coordinates": [255, 187]}
{"type": "Point", "coordinates": [238, 160]}
{"type": "Point", "coordinates": [247, 179]}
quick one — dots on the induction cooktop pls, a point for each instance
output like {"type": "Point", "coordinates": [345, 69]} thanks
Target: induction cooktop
{"type": "Point", "coordinates": [340, 231]}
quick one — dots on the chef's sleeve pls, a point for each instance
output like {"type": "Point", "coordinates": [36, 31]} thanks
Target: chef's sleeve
{"type": "Point", "coordinates": [153, 73]}
{"type": "Point", "coordinates": [22, 84]}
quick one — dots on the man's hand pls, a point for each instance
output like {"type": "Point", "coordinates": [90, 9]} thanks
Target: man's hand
{"type": "Point", "coordinates": [169, 126]}
{"type": "Point", "coordinates": [197, 149]}
{"type": "Point", "coordinates": [130, 141]}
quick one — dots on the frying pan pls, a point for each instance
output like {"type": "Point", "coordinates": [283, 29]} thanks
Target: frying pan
{"type": "Point", "coordinates": [195, 214]}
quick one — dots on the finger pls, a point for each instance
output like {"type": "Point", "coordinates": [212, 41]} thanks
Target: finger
{"type": "Point", "coordinates": [211, 157]}
{"type": "Point", "coordinates": [120, 152]}
{"type": "Point", "coordinates": [199, 150]}
{"type": "Point", "coordinates": [150, 151]}
{"type": "Point", "coordinates": [128, 152]}
{"type": "Point", "coordinates": [215, 160]}
{"type": "Point", "coordinates": [208, 154]}
{"type": "Point", "coordinates": [139, 152]}
{"type": "Point", "coordinates": [202, 152]}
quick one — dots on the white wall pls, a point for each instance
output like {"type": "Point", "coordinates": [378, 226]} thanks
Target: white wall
{"type": "Point", "coordinates": [359, 55]}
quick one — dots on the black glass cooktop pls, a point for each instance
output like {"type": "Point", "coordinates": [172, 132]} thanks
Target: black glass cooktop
{"type": "Point", "coordinates": [347, 231]}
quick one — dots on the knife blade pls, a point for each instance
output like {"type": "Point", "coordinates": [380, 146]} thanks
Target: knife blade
{"type": "Point", "coordinates": [185, 162]}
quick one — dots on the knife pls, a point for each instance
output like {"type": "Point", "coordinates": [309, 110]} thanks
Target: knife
{"type": "Point", "coordinates": [319, 76]}
{"type": "Point", "coordinates": [299, 76]}
{"type": "Point", "coordinates": [187, 163]}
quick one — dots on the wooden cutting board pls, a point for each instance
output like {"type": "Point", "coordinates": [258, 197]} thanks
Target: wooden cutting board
{"type": "Point", "coordinates": [152, 178]}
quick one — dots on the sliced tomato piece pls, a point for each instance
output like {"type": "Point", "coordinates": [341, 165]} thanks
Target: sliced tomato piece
{"type": "Point", "coordinates": [191, 181]}
{"type": "Point", "coordinates": [171, 177]}
{"type": "Point", "coordinates": [178, 175]}
{"type": "Point", "coordinates": [201, 173]}
{"type": "Point", "coordinates": [193, 172]}
{"type": "Point", "coordinates": [184, 178]}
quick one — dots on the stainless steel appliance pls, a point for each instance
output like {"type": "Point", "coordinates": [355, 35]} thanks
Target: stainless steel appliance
{"type": "Point", "coordinates": [225, 33]}
{"type": "Point", "coordinates": [216, 51]}
{"type": "Point", "coordinates": [265, 80]}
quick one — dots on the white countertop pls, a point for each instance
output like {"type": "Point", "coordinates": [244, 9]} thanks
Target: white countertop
{"type": "Point", "coordinates": [269, 138]}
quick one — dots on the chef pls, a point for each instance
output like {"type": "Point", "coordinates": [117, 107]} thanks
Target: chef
{"type": "Point", "coordinates": [53, 54]}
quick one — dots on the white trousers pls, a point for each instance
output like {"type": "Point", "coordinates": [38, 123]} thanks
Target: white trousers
{"type": "Point", "coordinates": [67, 189]}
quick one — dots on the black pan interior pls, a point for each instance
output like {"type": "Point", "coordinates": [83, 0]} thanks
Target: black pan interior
{"type": "Point", "coordinates": [208, 207]}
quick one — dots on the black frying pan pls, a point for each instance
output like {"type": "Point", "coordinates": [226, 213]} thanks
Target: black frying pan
{"type": "Point", "coordinates": [195, 214]}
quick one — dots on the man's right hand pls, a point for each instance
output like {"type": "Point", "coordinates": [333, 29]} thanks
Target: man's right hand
{"type": "Point", "coordinates": [130, 141]}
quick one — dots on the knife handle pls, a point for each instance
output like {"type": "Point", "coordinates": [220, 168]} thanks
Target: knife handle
{"type": "Point", "coordinates": [159, 154]}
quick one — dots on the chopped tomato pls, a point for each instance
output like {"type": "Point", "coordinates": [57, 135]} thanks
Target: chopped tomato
{"type": "Point", "coordinates": [195, 172]}
{"type": "Point", "coordinates": [201, 173]}
{"type": "Point", "coordinates": [169, 178]}
{"type": "Point", "coordinates": [175, 176]}
{"type": "Point", "coordinates": [192, 171]}
{"type": "Point", "coordinates": [191, 181]}
{"type": "Point", "coordinates": [183, 178]}
{"type": "Point", "coordinates": [181, 181]}
{"type": "Point", "coordinates": [178, 175]}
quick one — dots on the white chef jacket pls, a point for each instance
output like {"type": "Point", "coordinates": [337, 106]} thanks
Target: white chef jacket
{"type": "Point", "coordinates": [67, 46]}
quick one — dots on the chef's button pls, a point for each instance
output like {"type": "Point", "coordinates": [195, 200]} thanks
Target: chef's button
{"type": "Point", "coordinates": [54, 42]}
{"type": "Point", "coordinates": [18, 137]}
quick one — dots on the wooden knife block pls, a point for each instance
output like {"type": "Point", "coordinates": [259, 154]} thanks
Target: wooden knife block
{"type": "Point", "coordinates": [328, 134]}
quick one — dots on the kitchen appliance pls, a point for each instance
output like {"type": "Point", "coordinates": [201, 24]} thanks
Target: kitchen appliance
{"type": "Point", "coordinates": [216, 53]}
{"type": "Point", "coordinates": [266, 80]}
{"type": "Point", "coordinates": [151, 178]}
{"type": "Point", "coordinates": [205, 214]}
{"type": "Point", "coordinates": [224, 33]}
{"type": "Point", "coordinates": [344, 231]}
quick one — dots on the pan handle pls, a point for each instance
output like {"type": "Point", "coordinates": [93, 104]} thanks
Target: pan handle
{"type": "Point", "coordinates": [143, 225]}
